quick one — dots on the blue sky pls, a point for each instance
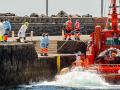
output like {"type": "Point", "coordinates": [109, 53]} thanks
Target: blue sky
{"type": "Point", "coordinates": [26, 7]}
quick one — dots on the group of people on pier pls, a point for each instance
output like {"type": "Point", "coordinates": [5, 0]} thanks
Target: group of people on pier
{"type": "Point", "coordinates": [44, 41]}
{"type": "Point", "coordinates": [5, 30]}
{"type": "Point", "coordinates": [72, 29]}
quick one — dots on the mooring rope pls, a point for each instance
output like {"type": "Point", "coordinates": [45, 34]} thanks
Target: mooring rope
{"type": "Point", "coordinates": [62, 45]}
{"type": "Point", "coordinates": [66, 40]}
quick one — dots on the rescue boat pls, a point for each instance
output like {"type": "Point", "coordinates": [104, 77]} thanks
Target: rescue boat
{"type": "Point", "coordinates": [105, 47]}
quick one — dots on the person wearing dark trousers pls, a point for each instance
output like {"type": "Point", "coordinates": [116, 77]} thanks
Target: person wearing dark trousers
{"type": "Point", "coordinates": [77, 30]}
{"type": "Point", "coordinates": [68, 29]}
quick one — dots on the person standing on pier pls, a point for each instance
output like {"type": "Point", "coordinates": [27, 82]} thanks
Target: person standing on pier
{"type": "Point", "coordinates": [44, 42]}
{"type": "Point", "coordinates": [68, 29]}
{"type": "Point", "coordinates": [22, 31]}
{"type": "Point", "coordinates": [77, 30]}
{"type": "Point", "coordinates": [2, 30]}
{"type": "Point", "coordinates": [47, 44]}
{"type": "Point", "coordinates": [7, 27]}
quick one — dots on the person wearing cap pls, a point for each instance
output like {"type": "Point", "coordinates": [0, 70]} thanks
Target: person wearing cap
{"type": "Point", "coordinates": [77, 30]}
{"type": "Point", "coordinates": [44, 42]}
{"type": "Point", "coordinates": [22, 31]}
{"type": "Point", "coordinates": [68, 29]}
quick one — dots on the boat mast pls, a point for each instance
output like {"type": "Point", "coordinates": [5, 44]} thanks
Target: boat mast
{"type": "Point", "coordinates": [114, 16]}
{"type": "Point", "coordinates": [102, 8]}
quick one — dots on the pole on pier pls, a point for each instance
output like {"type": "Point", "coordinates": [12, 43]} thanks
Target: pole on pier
{"type": "Point", "coordinates": [46, 7]}
{"type": "Point", "coordinates": [13, 35]}
{"type": "Point", "coordinates": [31, 35]}
{"type": "Point", "coordinates": [58, 63]}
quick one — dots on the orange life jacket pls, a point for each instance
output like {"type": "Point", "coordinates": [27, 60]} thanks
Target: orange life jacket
{"type": "Point", "coordinates": [81, 63]}
{"type": "Point", "coordinates": [68, 25]}
{"type": "Point", "coordinates": [85, 63]}
{"type": "Point", "coordinates": [77, 26]}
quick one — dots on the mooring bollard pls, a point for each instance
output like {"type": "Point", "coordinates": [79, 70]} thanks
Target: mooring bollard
{"type": "Point", "coordinates": [31, 35]}
{"type": "Point", "coordinates": [13, 35]}
{"type": "Point", "coordinates": [62, 33]}
{"type": "Point", "coordinates": [58, 63]}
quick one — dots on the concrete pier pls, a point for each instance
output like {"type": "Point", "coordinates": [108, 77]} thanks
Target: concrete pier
{"type": "Point", "coordinates": [18, 62]}
{"type": "Point", "coordinates": [22, 63]}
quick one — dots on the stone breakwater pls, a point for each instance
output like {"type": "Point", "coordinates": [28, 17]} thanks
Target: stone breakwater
{"type": "Point", "coordinates": [53, 25]}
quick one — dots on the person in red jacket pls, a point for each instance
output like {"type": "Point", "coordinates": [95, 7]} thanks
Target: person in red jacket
{"type": "Point", "coordinates": [77, 30]}
{"type": "Point", "coordinates": [82, 62]}
{"type": "Point", "coordinates": [68, 29]}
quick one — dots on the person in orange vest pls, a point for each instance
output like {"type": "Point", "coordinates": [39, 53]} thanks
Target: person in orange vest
{"type": "Point", "coordinates": [68, 29]}
{"type": "Point", "coordinates": [82, 62]}
{"type": "Point", "coordinates": [44, 42]}
{"type": "Point", "coordinates": [77, 30]}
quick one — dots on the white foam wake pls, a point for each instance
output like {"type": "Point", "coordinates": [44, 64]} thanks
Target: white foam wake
{"type": "Point", "coordinates": [79, 77]}
{"type": "Point", "coordinates": [76, 78]}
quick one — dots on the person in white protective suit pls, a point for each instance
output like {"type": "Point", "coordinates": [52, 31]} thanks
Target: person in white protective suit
{"type": "Point", "coordinates": [2, 27]}
{"type": "Point", "coordinates": [22, 31]}
{"type": "Point", "coordinates": [2, 30]}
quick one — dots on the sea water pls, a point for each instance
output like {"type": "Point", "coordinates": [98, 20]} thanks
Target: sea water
{"type": "Point", "coordinates": [76, 79]}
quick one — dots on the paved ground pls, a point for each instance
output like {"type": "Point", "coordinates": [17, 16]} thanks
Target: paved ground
{"type": "Point", "coordinates": [36, 38]}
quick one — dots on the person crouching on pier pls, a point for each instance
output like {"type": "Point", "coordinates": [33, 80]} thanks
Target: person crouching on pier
{"type": "Point", "coordinates": [77, 30]}
{"type": "Point", "coordinates": [44, 42]}
{"type": "Point", "coordinates": [68, 29]}
{"type": "Point", "coordinates": [22, 31]}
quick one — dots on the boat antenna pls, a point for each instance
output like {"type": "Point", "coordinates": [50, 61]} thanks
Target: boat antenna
{"type": "Point", "coordinates": [102, 8]}
{"type": "Point", "coordinates": [119, 6]}
{"type": "Point", "coordinates": [107, 21]}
